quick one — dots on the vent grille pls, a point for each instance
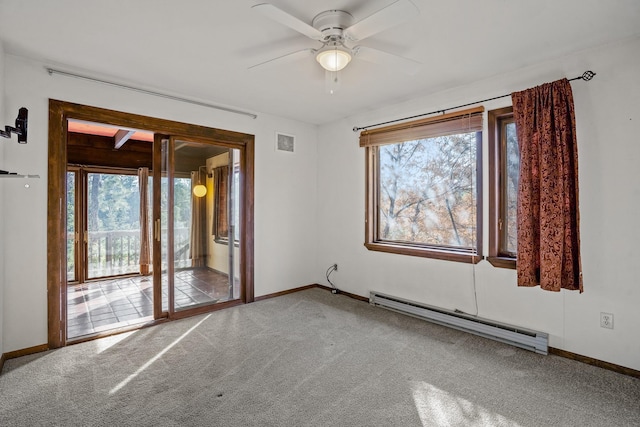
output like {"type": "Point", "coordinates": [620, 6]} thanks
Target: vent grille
{"type": "Point", "coordinates": [285, 142]}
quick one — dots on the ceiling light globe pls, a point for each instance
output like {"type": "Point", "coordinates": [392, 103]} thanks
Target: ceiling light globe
{"type": "Point", "coordinates": [333, 59]}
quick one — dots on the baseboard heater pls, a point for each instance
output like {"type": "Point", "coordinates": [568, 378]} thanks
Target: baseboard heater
{"type": "Point", "coordinates": [519, 337]}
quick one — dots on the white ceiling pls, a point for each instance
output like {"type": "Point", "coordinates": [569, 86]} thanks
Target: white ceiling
{"type": "Point", "coordinates": [202, 48]}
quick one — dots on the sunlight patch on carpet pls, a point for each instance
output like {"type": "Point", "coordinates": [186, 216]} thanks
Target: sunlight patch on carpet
{"type": "Point", "coordinates": [106, 343]}
{"type": "Point", "coordinates": [156, 357]}
{"type": "Point", "coordinates": [441, 408]}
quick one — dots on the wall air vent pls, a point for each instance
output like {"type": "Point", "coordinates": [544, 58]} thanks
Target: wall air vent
{"type": "Point", "coordinates": [285, 142]}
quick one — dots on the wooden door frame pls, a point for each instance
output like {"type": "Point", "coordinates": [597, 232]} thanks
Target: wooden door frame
{"type": "Point", "coordinates": [59, 113]}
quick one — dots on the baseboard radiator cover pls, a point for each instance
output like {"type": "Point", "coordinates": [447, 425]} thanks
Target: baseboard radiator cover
{"type": "Point", "coordinates": [508, 334]}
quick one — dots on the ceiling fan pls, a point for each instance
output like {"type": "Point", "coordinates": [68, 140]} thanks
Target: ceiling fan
{"type": "Point", "coordinates": [336, 31]}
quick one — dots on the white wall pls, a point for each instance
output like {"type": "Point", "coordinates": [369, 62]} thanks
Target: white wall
{"type": "Point", "coordinates": [607, 113]}
{"type": "Point", "coordinates": [2, 166]}
{"type": "Point", "coordinates": [285, 188]}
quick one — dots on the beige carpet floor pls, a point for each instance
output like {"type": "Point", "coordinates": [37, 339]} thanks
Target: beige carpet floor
{"type": "Point", "coordinates": [309, 359]}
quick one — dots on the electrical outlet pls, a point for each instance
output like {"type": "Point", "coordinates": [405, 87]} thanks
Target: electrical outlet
{"type": "Point", "coordinates": [606, 320]}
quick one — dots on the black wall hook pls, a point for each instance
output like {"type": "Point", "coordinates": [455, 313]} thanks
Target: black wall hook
{"type": "Point", "coordinates": [21, 127]}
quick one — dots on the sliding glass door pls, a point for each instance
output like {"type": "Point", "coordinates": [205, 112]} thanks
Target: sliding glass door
{"type": "Point", "coordinates": [103, 223]}
{"type": "Point", "coordinates": [195, 249]}
{"type": "Point", "coordinates": [196, 233]}
{"type": "Point", "coordinates": [113, 224]}
{"type": "Point", "coordinates": [108, 253]}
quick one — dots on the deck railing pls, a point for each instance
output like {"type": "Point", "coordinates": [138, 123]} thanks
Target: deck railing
{"type": "Point", "coordinates": [111, 253]}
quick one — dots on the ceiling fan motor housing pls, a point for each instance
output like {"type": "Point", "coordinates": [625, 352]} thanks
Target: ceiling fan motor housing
{"type": "Point", "coordinates": [336, 30]}
{"type": "Point", "coordinates": [331, 23]}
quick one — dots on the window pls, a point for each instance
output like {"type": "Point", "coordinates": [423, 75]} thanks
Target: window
{"type": "Point", "coordinates": [222, 192]}
{"type": "Point", "coordinates": [504, 173]}
{"type": "Point", "coordinates": [423, 187]}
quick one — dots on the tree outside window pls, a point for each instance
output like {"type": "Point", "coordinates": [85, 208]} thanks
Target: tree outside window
{"type": "Point", "coordinates": [504, 174]}
{"type": "Point", "coordinates": [427, 191]}
{"type": "Point", "coordinates": [423, 193]}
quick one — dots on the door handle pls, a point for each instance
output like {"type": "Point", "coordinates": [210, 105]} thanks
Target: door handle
{"type": "Point", "coordinates": [156, 229]}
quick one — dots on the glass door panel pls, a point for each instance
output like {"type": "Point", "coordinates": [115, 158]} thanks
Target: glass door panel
{"type": "Point", "coordinates": [234, 223]}
{"type": "Point", "coordinates": [113, 225]}
{"type": "Point", "coordinates": [203, 221]}
{"type": "Point", "coordinates": [108, 236]}
{"type": "Point", "coordinates": [164, 237]}
{"type": "Point", "coordinates": [72, 235]}
{"type": "Point", "coordinates": [162, 270]}
{"type": "Point", "coordinates": [197, 236]}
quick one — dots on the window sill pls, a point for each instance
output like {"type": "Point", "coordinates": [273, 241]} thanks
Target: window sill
{"type": "Point", "coordinates": [502, 262]}
{"type": "Point", "coordinates": [225, 242]}
{"type": "Point", "coordinates": [446, 255]}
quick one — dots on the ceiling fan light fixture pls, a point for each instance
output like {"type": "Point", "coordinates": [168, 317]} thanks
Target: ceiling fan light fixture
{"type": "Point", "coordinates": [333, 58]}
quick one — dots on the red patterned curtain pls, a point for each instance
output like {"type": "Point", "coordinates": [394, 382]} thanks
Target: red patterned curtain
{"type": "Point", "coordinates": [548, 216]}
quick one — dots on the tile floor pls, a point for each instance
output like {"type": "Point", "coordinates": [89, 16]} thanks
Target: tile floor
{"type": "Point", "coordinates": [113, 303]}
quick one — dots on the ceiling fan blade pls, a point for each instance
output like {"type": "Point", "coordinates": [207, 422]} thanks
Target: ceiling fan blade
{"type": "Point", "coordinates": [278, 15]}
{"type": "Point", "coordinates": [289, 57]}
{"type": "Point", "coordinates": [406, 65]}
{"type": "Point", "coordinates": [390, 16]}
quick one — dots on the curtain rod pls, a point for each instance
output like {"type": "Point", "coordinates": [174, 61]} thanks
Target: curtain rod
{"type": "Point", "coordinates": [586, 76]}
{"type": "Point", "coordinates": [52, 71]}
